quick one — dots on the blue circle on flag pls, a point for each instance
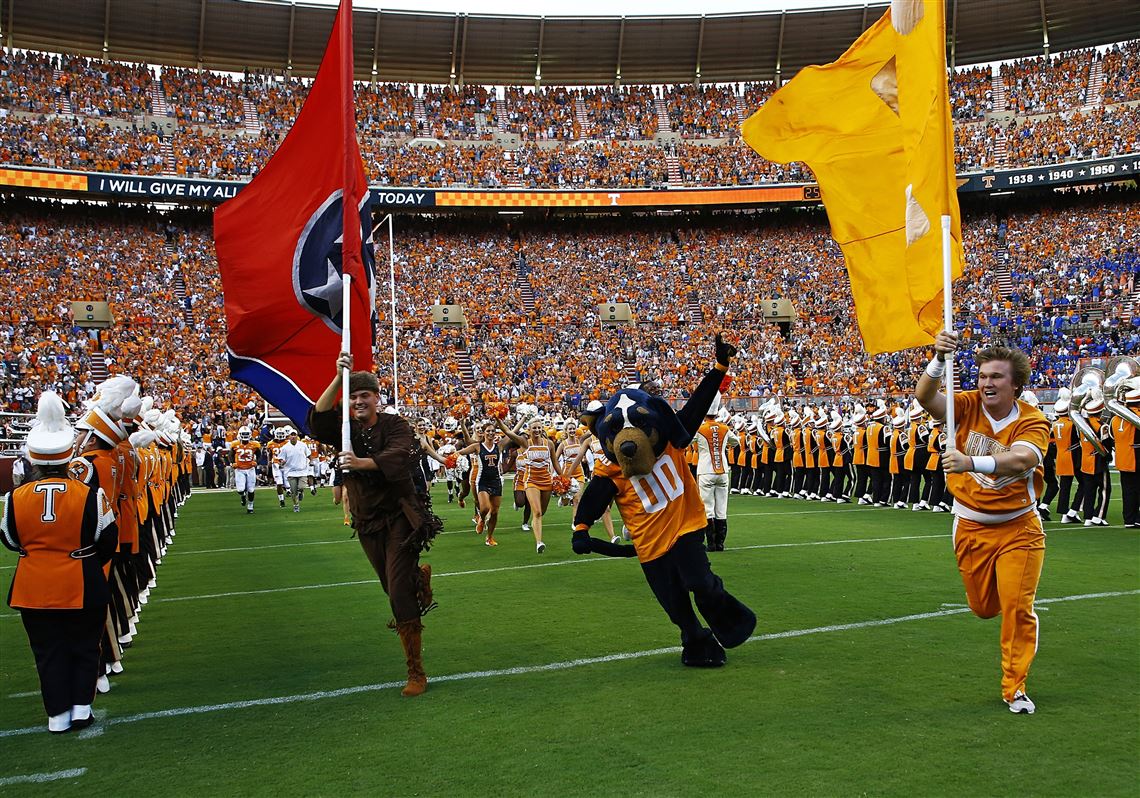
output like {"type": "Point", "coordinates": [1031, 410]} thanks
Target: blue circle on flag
{"type": "Point", "coordinates": [318, 263]}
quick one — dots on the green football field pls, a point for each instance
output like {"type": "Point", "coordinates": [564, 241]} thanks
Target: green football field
{"type": "Point", "coordinates": [263, 666]}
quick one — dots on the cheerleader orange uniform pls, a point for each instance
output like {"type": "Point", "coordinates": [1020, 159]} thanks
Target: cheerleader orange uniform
{"type": "Point", "coordinates": [540, 467]}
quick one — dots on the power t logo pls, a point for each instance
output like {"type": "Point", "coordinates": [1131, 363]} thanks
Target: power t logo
{"type": "Point", "coordinates": [318, 265]}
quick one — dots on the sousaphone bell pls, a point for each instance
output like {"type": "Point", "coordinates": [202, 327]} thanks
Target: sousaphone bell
{"type": "Point", "coordinates": [1121, 385]}
{"type": "Point", "coordinates": [1087, 388]}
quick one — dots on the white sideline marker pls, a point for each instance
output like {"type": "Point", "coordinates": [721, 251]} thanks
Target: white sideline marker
{"type": "Point", "coordinates": [527, 669]}
{"type": "Point", "coordinates": [40, 778]}
{"type": "Point", "coordinates": [97, 728]}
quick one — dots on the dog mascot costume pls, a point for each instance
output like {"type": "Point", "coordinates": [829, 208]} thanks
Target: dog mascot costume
{"type": "Point", "coordinates": [645, 473]}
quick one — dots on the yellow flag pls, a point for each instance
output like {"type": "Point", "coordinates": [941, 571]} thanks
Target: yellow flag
{"type": "Point", "coordinates": [875, 128]}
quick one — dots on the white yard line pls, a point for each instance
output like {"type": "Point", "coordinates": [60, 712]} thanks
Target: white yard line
{"type": "Point", "coordinates": [527, 669]}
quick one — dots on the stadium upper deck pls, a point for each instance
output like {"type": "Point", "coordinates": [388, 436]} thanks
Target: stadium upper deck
{"type": "Point", "coordinates": [661, 107]}
{"type": "Point", "coordinates": [69, 112]}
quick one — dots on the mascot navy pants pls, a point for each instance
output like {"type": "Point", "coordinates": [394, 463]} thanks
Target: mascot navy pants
{"type": "Point", "coordinates": [685, 569]}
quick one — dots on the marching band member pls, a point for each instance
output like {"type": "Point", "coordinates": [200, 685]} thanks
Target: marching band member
{"type": "Point", "coordinates": [840, 451]}
{"type": "Point", "coordinates": [1064, 438]}
{"type": "Point", "coordinates": [917, 454]}
{"type": "Point", "coordinates": [1127, 442]}
{"type": "Point", "coordinates": [877, 441]}
{"type": "Point", "coordinates": [896, 452]}
{"type": "Point", "coordinates": [862, 482]}
{"type": "Point", "coordinates": [712, 440]}
{"type": "Point", "coordinates": [64, 532]}
{"type": "Point", "coordinates": [1096, 476]}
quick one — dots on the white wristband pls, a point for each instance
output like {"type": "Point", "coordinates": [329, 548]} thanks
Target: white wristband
{"type": "Point", "coordinates": [936, 369]}
{"type": "Point", "coordinates": [984, 464]}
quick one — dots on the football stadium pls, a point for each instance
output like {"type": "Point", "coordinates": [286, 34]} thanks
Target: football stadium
{"type": "Point", "coordinates": [821, 319]}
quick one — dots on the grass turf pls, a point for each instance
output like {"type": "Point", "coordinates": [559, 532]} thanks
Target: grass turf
{"type": "Point", "coordinates": [262, 665]}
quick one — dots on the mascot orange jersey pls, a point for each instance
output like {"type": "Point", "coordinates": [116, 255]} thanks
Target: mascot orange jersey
{"type": "Point", "coordinates": [660, 506]}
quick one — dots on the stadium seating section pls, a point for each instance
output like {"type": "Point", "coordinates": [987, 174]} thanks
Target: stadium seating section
{"type": "Point", "coordinates": [1071, 264]}
{"type": "Point", "coordinates": [1058, 276]}
{"type": "Point", "coordinates": [77, 113]}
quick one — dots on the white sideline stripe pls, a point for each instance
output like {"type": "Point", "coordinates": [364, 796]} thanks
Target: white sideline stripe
{"type": "Point", "coordinates": [832, 542]}
{"type": "Point", "coordinates": [549, 564]}
{"type": "Point", "coordinates": [269, 546]}
{"type": "Point", "coordinates": [268, 591]}
{"type": "Point", "coordinates": [97, 728]}
{"type": "Point", "coordinates": [863, 509]}
{"type": "Point", "coordinates": [40, 778]}
{"type": "Point", "coordinates": [469, 530]}
{"type": "Point", "coordinates": [527, 669]}
{"type": "Point", "coordinates": [24, 695]}
{"type": "Point", "coordinates": [376, 582]}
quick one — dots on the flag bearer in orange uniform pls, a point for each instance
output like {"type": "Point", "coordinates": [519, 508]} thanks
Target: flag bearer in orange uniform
{"type": "Point", "coordinates": [996, 474]}
{"type": "Point", "coordinates": [64, 531]}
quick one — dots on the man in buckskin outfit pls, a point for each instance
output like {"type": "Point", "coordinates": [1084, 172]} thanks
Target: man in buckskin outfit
{"type": "Point", "coordinates": [390, 512]}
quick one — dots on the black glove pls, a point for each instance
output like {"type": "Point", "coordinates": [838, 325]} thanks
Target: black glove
{"type": "Point", "coordinates": [580, 541]}
{"type": "Point", "coordinates": [724, 351]}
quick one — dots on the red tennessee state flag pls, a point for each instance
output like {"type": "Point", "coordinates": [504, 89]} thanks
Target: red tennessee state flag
{"type": "Point", "coordinates": [284, 242]}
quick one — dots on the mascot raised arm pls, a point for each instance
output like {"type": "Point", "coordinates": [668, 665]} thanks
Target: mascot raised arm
{"type": "Point", "coordinates": [644, 472]}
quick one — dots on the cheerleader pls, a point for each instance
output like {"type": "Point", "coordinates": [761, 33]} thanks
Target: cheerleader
{"type": "Point", "coordinates": [540, 472]}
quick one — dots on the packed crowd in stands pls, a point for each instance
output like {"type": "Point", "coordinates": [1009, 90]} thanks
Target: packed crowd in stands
{"type": "Point", "coordinates": [1121, 65]}
{"type": "Point", "coordinates": [1047, 84]}
{"type": "Point", "coordinates": [974, 145]}
{"type": "Point", "coordinates": [1073, 261]}
{"type": "Point", "coordinates": [199, 97]}
{"type": "Point", "coordinates": [610, 143]}
{"type": "Point", "coordinates": [453, 113]}
{"type": "Point", "coordinates": [483, 167]}
{"type": "Point", "coordinates": [105, 88]}
{"type": "Point", "coordinates": [26, 81]}
{"type": "Point", "coordinates": [732, 163]}
{"type": "Point", "coordinates": [540, 115]}
{"type": "Point", "coordinates": [971, 94]}
{"type": "Point", "coordinates": [75, 143]}
{"type": "Point", "coordinates": [628, 113]}
{"type": "Point", "coordinates": [592, 165]}
{"type": "Point", "coordinates": [704, 112]}
{"type": "Point", "coordinates": [1075, 135]}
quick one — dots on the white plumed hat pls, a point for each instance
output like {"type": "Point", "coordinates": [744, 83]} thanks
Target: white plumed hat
{"type": "Point", "coordinates": [51, 439]}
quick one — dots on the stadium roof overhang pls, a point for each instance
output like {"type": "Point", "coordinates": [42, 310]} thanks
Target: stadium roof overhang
{"type": "Point", "coordinates": [420, 47]}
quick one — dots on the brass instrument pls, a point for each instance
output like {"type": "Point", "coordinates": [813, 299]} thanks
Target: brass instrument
{"type": "Point", "coordinates": [1123, 375]}
{"type": "Point", "coordinates": [1087, 387]}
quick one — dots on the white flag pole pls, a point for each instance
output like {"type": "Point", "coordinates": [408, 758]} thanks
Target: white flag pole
{"type": "Point", "coordinates": [345, 346]}
{"type": "Point", "coordinates": [392, 289]}
{"type": "Point", "coordinates": [948, 325]}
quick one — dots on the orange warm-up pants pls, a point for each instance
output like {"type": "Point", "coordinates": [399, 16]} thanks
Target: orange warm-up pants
{"type": "Point", "coordinates": [1001, 566]}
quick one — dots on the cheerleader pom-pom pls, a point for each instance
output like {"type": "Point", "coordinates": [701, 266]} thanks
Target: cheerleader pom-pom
{"type": "Point", "coordinates": [497, 410]}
